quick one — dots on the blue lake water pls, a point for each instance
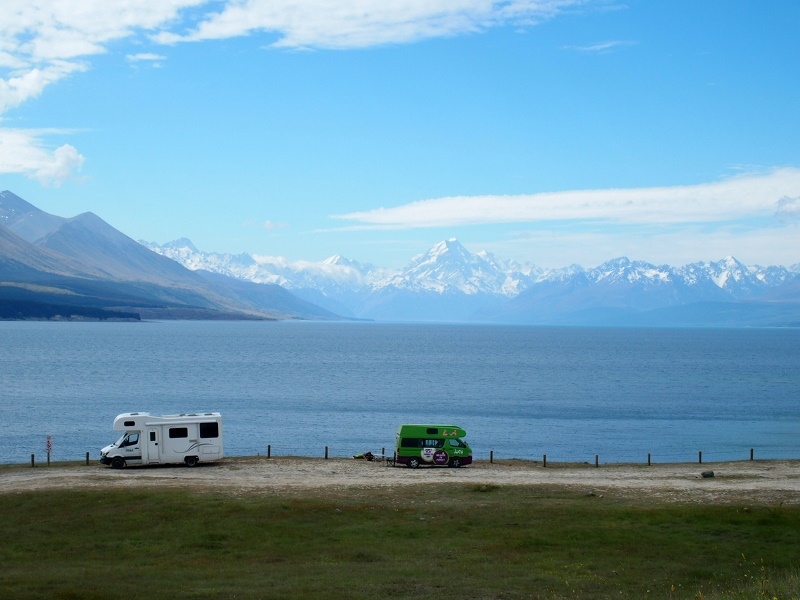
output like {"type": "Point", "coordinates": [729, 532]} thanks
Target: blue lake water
{"type": "Point", "coordinates": [569, 393]}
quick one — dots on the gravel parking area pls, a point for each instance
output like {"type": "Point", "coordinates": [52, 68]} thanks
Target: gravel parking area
{"type": "Point", "coordinates": [758, 482]}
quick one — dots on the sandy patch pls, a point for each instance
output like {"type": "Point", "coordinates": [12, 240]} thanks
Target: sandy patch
{"type": "Point", "coordinates": [758, 482]}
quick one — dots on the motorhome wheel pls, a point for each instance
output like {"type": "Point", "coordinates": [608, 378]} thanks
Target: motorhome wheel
{"type": "Point", "coordinates": [118, 462]}
{"type": "Point", "coordinates": [191, 461]}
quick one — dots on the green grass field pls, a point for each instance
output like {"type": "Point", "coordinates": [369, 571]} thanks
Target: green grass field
{"type": "Point", "coordinates": [445, 540]}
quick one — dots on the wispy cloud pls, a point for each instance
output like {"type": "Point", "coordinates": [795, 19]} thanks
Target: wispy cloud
{"type": "Point", "coordinates": [45, 41]}
{"type": "Point", "coordinates": [788, 209]}
{"type": "Point", "coordinates": [356, 23]}
{"type": "Point", "coordinates": [558, 247]}
{"type": "Point", "coordinates": [25, 84]}
{"type": "Point", "coordinates": [42, 41]}
{"type": "Point", "coordinates": [154, 60]}
{"type": "Point", "coordinates": [602, 47]}
{"type": "Point", "coordinates": [726, 200]}
{"type": "Point", "coordinates": [266, 224]}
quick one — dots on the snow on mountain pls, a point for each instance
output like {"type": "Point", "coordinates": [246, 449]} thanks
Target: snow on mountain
{"type": "Point", "coordinates": [622, 270]}
{"type": "Point", "coordinates": [331, 274]}
{"type": "Point", "coordinates": [185, 253]}
{"type": "Point", "coordinates": [473, 283]}
{"type": "Point", "coordinates": [737, 278]}
{"type": "Point", "coordinates": [449, 267]}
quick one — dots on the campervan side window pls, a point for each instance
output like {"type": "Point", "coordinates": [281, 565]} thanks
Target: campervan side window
{"type": "Point", "coordinates": [178, 432]}
{"type": "Point", "coordinates": [420, 443]}
{"type": "Point", "coordinates": [209, 430]}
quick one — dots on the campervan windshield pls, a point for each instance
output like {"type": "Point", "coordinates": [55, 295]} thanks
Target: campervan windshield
{"type": "Point", "coordinates": [457, 443]}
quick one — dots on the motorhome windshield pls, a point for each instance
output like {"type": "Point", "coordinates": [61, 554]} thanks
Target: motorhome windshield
{"type": "Point", "coordinates": [129, 439]}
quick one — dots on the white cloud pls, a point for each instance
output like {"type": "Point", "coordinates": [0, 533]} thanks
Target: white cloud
{"type": "Point", "coordinates": [361, 23]}
{"type": "Point", "coordinates": [31, 83]}
{"type": "Point", "coordinates": [788, 209]}
{"type": "Point", "coordinates": [272, 225]}
{"type": "Point", "coordinates": [22, 151]}
{"type": "Point", "coordinates": [556, 248]}
{"type": "Point", "coordinates": [730, 199]}
{"type": "Point", "coordinates": [145, 57]}
{"type": "Point", "coordinates": [65, 159]}
{"type": "Point", "coordinates": [44, 41]}
{"type": "Point", "coordinates": [602, 47]}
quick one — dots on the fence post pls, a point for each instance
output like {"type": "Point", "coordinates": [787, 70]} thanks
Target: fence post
{"type": "Point", "coordinates": [33, 461]}
{"type": "Point", "coordinates": [491, 456]}
{"type": "Point", "coordinates": [326, 453]}
{"type": "Point", "coordinates": [544, 460]}
{"type": "Point", "coordinates": [87, 459]}
{"type": "Point", "coordinates": [269, 450]}
{"type": "Point", "coordinates": [751, 454]}
{"type": "Point", "coordinates": [648, 459]}
{"type": "Point", "coordinates": [700, 457]}
{"type": "Point", "coordinates": [596, 460]}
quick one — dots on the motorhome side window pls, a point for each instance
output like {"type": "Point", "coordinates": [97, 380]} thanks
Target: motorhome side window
{"type": "Point", "coordinates": [178, 432]}
{"type": "Point", "coordinates": [209, 430]}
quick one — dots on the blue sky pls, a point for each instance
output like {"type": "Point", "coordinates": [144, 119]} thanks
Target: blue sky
{"type": "Point", "coordinates": [548, 131]}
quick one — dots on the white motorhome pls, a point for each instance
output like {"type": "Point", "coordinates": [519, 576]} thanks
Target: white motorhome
{"type": "Point", "coordinates": [168, 439]}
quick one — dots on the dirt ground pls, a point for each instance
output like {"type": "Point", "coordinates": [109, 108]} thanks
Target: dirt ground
{"type": "Point", "coordinates": [770, 482]}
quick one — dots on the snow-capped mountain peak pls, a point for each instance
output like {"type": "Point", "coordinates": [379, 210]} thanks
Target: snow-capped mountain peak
{"type": "Point", "coordinates": [449, 267]}
{"type": "Point", "coordinates": [451, 272]}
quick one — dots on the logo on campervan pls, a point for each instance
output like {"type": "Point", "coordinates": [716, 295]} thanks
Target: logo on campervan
{"type": "Point", "coordinates": [440, 457]}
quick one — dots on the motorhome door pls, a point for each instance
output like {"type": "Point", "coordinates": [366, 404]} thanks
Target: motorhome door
{"type": "Point", "coordinates": [152, 446]}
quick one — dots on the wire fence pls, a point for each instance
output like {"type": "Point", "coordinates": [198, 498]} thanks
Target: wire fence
{"type": "Point", "coordinates": [491, 455]}
{"type": "Point", "coordinates": [387, 452]}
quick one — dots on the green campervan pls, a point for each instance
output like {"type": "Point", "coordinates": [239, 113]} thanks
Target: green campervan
{"type": "Point", "coordinates": [435, 445]}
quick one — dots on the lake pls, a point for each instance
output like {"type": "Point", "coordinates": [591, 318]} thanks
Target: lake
{"type": "Point", "coordinates": [297, 387]}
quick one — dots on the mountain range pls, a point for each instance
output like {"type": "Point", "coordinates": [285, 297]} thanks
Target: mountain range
{"type": "Point", "coordinates": [450, 284]}
{"type": "Point", "coordinates": [82, 268]}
